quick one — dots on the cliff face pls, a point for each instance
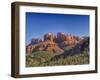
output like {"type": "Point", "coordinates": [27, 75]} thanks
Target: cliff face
{"type": "Point", "coordinates": [67, 40]}
{"type": "Point", "coordinates": [49, 37]}
{"type": "Point", "coordinates": [53, 43]}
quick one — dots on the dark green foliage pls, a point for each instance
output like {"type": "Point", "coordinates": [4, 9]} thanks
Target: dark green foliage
{"type": "Point", "coordinates": [37, 59]}
{"type": "Point", "coordinates": [77, 55]}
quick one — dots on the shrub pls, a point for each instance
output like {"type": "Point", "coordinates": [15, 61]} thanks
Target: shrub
{"type": "Point", "coordinates": [38, 59]}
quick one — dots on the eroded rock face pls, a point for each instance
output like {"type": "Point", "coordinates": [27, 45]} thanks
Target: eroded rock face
{"type": "Point", "coordinates": [53, 48]}
{"type": "Point", "coordinates": [61, 36]}
{"type": "Point", "coordinates": [53, 43]}
{"type": "Point", "coordinates": [67, 40]}
{"type": "Point", "coordinates": [48, 36]}
{"type": "Point", "coordinates": [45, 46]}
{"type": "Point", "coordinates": [70, 40]}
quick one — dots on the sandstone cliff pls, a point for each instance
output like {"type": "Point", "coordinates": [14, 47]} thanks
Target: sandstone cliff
{"type": "Point", "coordinates": [55, 44]}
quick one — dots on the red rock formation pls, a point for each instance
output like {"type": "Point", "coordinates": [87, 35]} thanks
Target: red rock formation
{"type": "Point", "coordinates": [48, 36]}
{"type": "Point", "coordinates": [29, 49]}
{"type": "Point", "coordinates": [52, 43]}
{"type": "Point", "coordinates": [53, 48]}
{"type": "Point", "coordinates": [61, 36]}
{"type": "Point", "coordinates": [70, 40]}
{"type": "Point", "coordinates": [45, 46]}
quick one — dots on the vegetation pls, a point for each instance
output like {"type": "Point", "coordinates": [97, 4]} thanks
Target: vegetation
{"type": "Point", "coordinates": [44, 58]}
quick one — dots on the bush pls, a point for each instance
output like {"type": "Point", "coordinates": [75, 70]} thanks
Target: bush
{"type": "Point", "coordinates": [43, 55]}
{"type": "Point", "coordinates": [38, 59]}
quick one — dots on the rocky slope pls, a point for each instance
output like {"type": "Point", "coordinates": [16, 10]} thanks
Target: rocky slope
{"type": "Point", "coordinates": [59, 44]}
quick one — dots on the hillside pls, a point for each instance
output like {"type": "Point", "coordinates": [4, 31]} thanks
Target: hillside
{"type": "Point", "coordinates": [57, 47]}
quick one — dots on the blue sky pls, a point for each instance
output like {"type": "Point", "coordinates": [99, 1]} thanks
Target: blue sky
{"type": "Point", "coordinates": [37, 24]}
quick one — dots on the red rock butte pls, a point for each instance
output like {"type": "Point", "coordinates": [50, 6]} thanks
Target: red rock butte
{"type": "Point", "coordinates": [53, 43]}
